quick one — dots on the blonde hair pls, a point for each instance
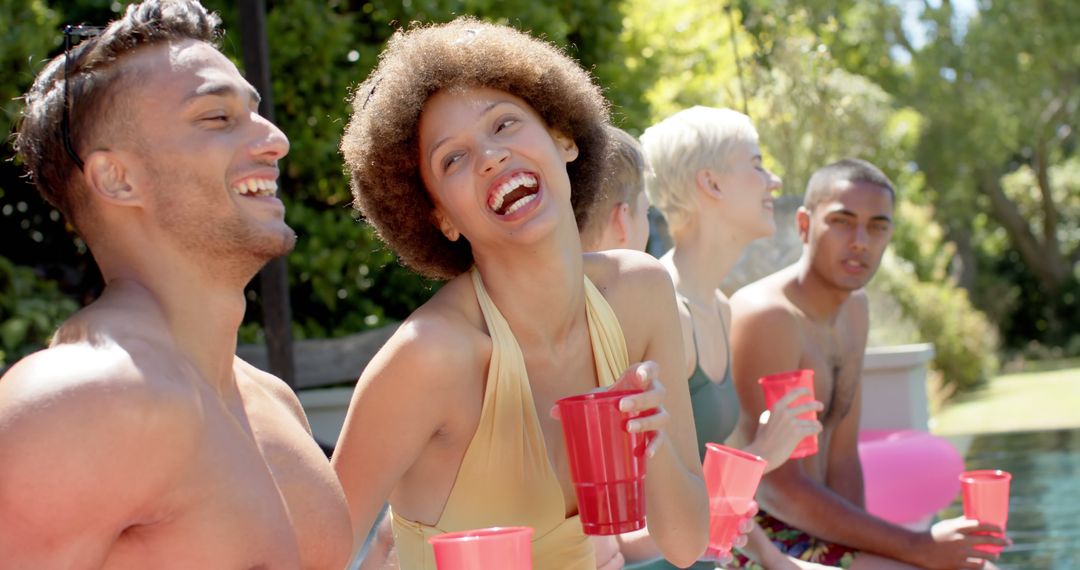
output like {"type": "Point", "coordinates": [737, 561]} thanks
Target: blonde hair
{"type": "Point", "coordinates": [683, 144]}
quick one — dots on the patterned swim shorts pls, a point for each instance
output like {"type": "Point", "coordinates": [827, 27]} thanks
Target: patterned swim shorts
{"type": "Point", "coordinates": [797, 544]}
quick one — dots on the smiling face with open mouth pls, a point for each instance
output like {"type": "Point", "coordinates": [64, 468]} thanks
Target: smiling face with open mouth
{"type": "Point", "coordinates": [492, 167]}
{"type": "Point", "coordinates": [205, 157]}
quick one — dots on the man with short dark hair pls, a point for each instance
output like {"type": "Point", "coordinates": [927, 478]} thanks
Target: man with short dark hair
{"type": "Point", "coordinates": [814, 314]}
{"type": "Point", "coordinates": [138, 439]}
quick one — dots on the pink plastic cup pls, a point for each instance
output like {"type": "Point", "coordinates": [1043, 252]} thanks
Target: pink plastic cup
{"type": "Point", "coordinates": [731, 472]}
{"type": "Point", "coordinates": [497, 547]}
{"type": "Point", "coordinates": [725, 516]}
{"type": "Point", "coordinates": [776, 386]}
{"type": "Point", "coordinates": [607, 463]}
{"type": "Point", "coordinates": [986, 499]}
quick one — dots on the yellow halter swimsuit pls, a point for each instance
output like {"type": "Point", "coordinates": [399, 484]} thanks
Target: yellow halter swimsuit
{"type": "Point", "coordinates": [505, 478]}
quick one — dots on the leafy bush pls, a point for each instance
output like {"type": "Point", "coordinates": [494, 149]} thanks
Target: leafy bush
{"type": "Point", "coordinates": [342, 279]}
{"type": "Point", "coordinates": [965, 342]}
{"type": "Point", "coordinates": [30, 310]}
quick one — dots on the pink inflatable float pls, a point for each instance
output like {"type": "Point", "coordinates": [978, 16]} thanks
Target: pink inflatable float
{"type": "Point", "coordinates": [908, 474]}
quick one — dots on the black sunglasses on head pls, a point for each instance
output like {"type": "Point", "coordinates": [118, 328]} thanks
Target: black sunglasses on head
{"type": "Point", "coordinates": [79, 31]}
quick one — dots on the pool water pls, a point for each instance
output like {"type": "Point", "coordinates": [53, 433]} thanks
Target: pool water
{"type": "Point", "coordinates": [1044, 501]}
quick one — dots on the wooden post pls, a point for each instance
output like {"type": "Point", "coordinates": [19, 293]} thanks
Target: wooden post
{"type": "Point", "coordinates": [273, 279]}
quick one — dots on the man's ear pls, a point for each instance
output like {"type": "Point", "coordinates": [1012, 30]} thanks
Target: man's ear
{"type": "Point", "coordinates": [707, 184]}
{"type": "Point", "coordinates": [802, 223]}
{"type": "Point", "coordinates": [442, 221]}
{"type": "Point", "coordinates": [619, 223]}
{"type": "Point", "coordinates": [107, 177]}
{"type": "Point", "coordinates": [567, 147]}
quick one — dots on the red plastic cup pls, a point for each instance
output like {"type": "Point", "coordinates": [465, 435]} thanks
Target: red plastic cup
{"type": "Point", "coordinates": [731, 472]}
{"type": "Point", "coordinates": [607, 463]}
{"type": "Point", "coordinates": [725, 516]}
{"type": "Point", "coordinates": [497, 547]}
{"type": "Point", "coordinates": [986, 499]}
{"type": "Point", "coordinates": [776, 386]}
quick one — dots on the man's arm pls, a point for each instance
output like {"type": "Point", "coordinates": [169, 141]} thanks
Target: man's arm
{"type": "Point", "coordinates": [845, 476]}
{"type": "Point", "coordinates": [85, 449]}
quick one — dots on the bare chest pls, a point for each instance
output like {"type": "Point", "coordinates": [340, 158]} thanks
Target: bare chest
{"type": "Point", "coordinates": [829, 351]}
{"type": "Point", "coordinates": [258, 494]}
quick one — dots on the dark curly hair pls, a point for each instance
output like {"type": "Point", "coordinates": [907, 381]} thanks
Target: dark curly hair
{"type": "Point", "coordinates": [380, 143]}
{"type": "Point", "coordinates": [94, 78]}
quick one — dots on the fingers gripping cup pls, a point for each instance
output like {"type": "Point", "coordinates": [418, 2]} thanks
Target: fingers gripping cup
{"type": "Point", "coordinates": [986, 499]}
{"type": "Point", "coordinates": [775, 386]}
{"type": "Point", "coordinates": [726, 514]}
{"type": "Point", "coordinates": [607, 462]}
{"type": "Point", "coordinates": [508, 548]}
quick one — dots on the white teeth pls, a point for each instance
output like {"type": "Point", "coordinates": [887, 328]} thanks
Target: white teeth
{"type": "Point", "coordinates": [255, 187]}
{"type": "Point", "coordinates": [526, 180]}
{"type": "Point", "coordinates": [520, 203]}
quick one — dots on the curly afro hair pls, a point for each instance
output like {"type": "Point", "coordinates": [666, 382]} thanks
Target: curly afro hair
{"type": "Point", "coordinates": [380, 143]}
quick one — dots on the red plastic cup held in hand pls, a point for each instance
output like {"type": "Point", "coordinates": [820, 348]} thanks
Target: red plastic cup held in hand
{"type": "Point", "coordinates": [607, 463]}
{"type": "Point", "coordinates": [775, 386]}
{"type": "Point", "coordinates": [731, 472]}
{"type": "Point", "coordinates": [499, 547]}
{"type": "Point", "coordinates": [986, 499]}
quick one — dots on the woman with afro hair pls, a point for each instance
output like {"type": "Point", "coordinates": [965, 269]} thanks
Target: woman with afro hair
{"type": "Point", "coordinates": [475, 151]}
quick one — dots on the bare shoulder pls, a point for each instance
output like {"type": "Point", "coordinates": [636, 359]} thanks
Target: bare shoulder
{"type": "Point", "coordinates": [628, 274]}
{"type": "Point", "coordinates": [764, 295]}
{"type": "Point", "coordinates": [857, 306]}
{"type": "Point", "coordinates": [446, 333]}
{"type": "Point", "coordinates": [765, 327]}
{"type": "Point", "coordinates": [78, 422]}
{"type": "Point", "coordinates": [763, 303]}
{"type": "Point", "coordinates": [640, 292]}
{"type": "Point", "coordinates": [855, 316]}
{"type": "Point", "coordinates": [99, 378]}
{"type": "Point", "coordinates": [275, 387]}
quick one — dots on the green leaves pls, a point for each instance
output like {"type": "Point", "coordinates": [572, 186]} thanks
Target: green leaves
{"type": "Point", "coordinates": [30, 310]}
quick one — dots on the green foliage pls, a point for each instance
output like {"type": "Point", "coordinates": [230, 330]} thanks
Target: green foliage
{"type": "Point", "coordinates": [966, 104]}
{"type": "Point", "coordinates": [965, 342]}
{"type": "Point", "coordinates": [680, 52]}
{"type": "Point", "coordinates": [30, 310]}
{"type": "Point", "coordinates": [22, 41]}
{"type": "Point", "coordinates": [920, 240]}
{"type": "Point", "coordinates": [342, 279]}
